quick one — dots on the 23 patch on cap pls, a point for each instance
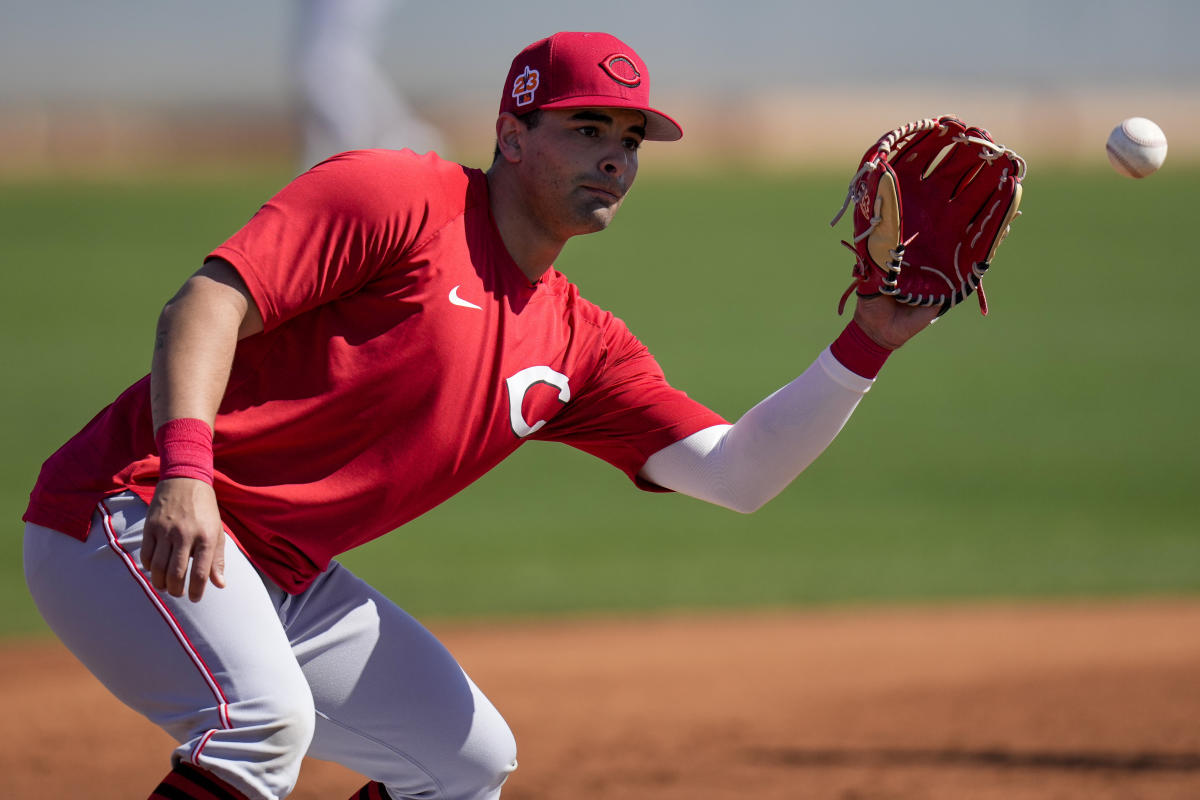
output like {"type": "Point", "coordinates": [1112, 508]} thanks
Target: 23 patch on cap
{"type": "Point", "coordinates": [525, 86]}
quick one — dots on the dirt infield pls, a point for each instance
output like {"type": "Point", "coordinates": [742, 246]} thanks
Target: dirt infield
{"type": "Point", "coordinates": [1090, 700]}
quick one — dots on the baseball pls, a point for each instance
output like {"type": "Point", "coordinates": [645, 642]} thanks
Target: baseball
{"type": "Point", "coordinates": [1137, 147]}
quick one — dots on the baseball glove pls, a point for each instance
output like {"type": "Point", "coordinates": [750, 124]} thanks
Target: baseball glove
{"type": "Point", "coordinates": [933, 200]}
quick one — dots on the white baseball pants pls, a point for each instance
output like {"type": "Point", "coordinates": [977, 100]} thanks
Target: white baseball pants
{"type": "Point", "coordinates": [251, 679]}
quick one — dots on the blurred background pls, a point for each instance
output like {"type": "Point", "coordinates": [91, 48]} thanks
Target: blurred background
{"type": "Point", "coordinates": [134, 82]}
{"type": "Point", "coordinates": [1050, 450]}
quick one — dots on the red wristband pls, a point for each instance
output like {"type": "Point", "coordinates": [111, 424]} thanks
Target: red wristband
{"type": "Point", "coordinates": [185, 449]}
{"type": "Point", "coordinates": [858, 353]}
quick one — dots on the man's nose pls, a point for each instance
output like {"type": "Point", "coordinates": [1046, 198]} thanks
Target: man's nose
{"type": "Point", "coordinates": [616, 162]}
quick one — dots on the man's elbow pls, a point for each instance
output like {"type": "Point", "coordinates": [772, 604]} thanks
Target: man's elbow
{"type": "Point", "coordinates": [746, 504]}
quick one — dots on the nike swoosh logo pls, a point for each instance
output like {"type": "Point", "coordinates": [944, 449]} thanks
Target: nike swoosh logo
{"type": "Point", "coordinates": [458, 301]}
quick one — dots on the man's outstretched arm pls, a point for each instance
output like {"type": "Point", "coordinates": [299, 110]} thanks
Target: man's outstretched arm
{"type": "Point", "coordinates": [742, 466]}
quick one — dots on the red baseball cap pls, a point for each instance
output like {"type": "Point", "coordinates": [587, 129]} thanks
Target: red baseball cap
{"type": "Point", "coordinates": [582, 70]}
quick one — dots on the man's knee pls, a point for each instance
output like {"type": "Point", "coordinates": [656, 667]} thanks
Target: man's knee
{"type": "Point", "coordinates": [261, 750]}
{"type": "Point", "coordinates": [284, 742]}
{"type": "Point", "coordinates": [483, 766]}
{"type": "Point", "coordinates": [473, 769]}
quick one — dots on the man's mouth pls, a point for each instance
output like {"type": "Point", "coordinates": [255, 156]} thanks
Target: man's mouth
{"type": "Point", "coordinates": [610, 194]}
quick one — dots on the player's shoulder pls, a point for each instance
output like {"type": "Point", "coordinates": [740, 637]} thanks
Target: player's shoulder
{"type": "Point", "coordinates": [610, 328]}
{"type": "Point", "coordinates": [385, 184]}
{"type": "Point", "coordinates": [401, 169]}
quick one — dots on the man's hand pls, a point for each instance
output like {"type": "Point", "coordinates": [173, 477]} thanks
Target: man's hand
{"type": "Point", "coordinates": [889, 323]}
{"type": "Point", "coordinates": [184, 525]}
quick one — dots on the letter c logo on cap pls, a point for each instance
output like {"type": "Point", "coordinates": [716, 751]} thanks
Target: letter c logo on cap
{"type": "Point", "coordinates": [621, 69]}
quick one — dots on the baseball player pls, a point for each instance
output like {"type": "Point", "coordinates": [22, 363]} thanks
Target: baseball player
{"type": "Point", "coordinates": [382, 332]}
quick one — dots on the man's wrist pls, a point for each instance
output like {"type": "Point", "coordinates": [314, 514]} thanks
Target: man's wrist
{"type": "Point", "coordinates": [185, 449]}
{"type": "Point", "coordinates": [858, 352]}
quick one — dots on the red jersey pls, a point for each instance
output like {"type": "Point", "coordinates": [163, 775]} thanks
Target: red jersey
{"type": "Point", "coordinates": [404, 354]}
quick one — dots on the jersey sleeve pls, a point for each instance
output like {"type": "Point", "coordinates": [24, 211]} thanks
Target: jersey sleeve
{"type": "Point", "coordinates": [628, 411]}
{"type": "Point", "coordinates": [333, 229]}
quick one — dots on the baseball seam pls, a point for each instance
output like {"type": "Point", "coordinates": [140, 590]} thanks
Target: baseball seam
{"type": "Point", "coordinates": [1157, 141]}
{"type": "Point", "coordinates": [1114, 153]}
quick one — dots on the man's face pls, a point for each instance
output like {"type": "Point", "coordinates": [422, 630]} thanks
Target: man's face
{"type": "Point", "coordinates": [577, 164]}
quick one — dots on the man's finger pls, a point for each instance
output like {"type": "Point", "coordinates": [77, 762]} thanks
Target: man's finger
{"type": "Point", "coordinates": [176, 571]}
{"type": "Point", "coordinates": [202, 558]}
{"type": "Point", "coordinates": [217, 573]}
{"type": "Point", "coordinates": [149, 545]}
{"type": "Point", "coordinates": [160, 561]}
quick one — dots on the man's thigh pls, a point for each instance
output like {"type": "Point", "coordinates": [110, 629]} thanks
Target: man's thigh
{"type": "Point", "coordinates": [392, 702]}
{"type": "Point", "coordinates": [217, 675]}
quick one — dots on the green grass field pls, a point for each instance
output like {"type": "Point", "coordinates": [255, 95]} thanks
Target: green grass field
{"type": "Point", "coordinates": [1049, 450]}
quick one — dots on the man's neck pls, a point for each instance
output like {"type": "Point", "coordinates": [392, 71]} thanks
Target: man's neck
{"type": "Point", "coordinates": [530, 245]}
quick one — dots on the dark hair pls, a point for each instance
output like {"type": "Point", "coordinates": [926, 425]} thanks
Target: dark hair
{"type": "Point", "coordinates": [529, 119]}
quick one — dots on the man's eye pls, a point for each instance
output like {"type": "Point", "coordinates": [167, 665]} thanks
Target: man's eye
{"type": "Point", "coordinates": [632, 144]}
{"type": "Point", "coordinates": [589, 130]}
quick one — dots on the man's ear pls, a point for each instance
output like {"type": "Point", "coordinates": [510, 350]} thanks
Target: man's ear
{"type": "Point", "coordinates": [510, 136]}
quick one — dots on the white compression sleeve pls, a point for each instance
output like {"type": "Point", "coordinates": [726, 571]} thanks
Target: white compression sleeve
{"type": "Point", "coordinates": [744, 465]}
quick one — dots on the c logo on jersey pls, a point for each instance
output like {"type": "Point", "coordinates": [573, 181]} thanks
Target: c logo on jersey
{"type": "Point", "coordinates": [524, 86]}
{"type": "Point", "coordinates": [520, 384]}
{"type": "Point", "coordinates": [621, 69]}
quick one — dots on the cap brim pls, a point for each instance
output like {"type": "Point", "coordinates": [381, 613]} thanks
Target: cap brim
{"type": "Point", "coordinates": [659, 127]}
